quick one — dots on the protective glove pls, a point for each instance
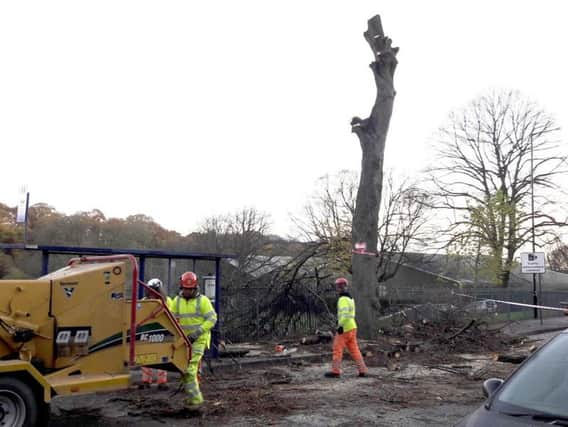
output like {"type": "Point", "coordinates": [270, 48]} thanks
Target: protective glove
{"type": "Point", "coordinates": [340, 330]}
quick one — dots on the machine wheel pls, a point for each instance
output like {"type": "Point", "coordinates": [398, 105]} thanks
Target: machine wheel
{"type": "Point", "coordinates": [18, 404]}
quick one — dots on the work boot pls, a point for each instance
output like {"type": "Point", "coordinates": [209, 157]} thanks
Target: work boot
{"type": "Point", "coordinates": [331, 375]}
{"type": "Point", "coordinates": [193, 405]}
{"type": "Point", "coordinates": [362, 374]}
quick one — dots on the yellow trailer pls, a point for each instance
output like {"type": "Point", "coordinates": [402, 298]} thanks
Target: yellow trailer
{"type": "Point", "coordinates": [80, 329]}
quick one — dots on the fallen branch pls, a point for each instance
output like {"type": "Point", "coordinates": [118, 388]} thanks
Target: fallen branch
{"type": "Point", "coordinates": [461, 331]}
{"type": "Point", "coordinates": [446, 369]}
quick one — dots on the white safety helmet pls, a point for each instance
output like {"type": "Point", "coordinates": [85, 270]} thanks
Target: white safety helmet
{"type": "Point", "coordinates": [155, 284]}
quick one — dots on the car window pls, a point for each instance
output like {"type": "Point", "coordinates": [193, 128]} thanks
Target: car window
{"type": "Point", "coordinates": [541, 384]}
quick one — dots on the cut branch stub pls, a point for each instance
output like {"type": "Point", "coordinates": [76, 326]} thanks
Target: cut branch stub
{"type": "Point", "coordinates": [375, 35]}
{"type": "Point", "coordinates": [359, 126]}
{"type": "Point", "coordinates": [383, 68]}
{"type": "Point", "coordinates": [376, 39]}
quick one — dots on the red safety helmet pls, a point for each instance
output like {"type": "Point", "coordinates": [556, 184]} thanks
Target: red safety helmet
{"type": "Point", "coordinates": [188, 280]}
{"type": "Point", "coordinates": [341, 282]}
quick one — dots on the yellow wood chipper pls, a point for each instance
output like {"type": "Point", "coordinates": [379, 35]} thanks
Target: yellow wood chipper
{"type": "Point", "coordinates": [80, 329]}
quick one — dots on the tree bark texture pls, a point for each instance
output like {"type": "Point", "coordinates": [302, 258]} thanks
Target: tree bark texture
{"type": "Point", "coordinates": [372, 133]}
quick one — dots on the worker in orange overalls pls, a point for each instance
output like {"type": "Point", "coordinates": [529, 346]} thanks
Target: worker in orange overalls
{"type": "Point", "coordinates": [346, 335]}
{"type": "Point", "coordinates": [148, 373]}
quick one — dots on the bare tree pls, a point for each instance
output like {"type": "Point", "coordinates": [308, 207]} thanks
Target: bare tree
{"type": "Point", "coordinates": [243, 233]}
{"type": "Point", "coordinates": [372, 134]}
{"type": "Point", "coordinates": [483, 176]}
{"type": "Point", "coordinates": [328, 218]}
{"type": "Point", "coordinates": [247, 233]}
{"type": "Point", "coordinates": [558, 258]}
{"type": "Point", "coordinates": [403, 224]}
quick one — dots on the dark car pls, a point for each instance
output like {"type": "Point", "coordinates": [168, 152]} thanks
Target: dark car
{"type": "Point", "coordinates": [535, 394]}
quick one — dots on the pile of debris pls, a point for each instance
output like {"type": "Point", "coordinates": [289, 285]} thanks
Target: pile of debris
{"type": "Point", "coordinates": [447, 345]}
{"type": "Point", "coordinates": [421, 340]}
{"type": "Point", "coordinates": [449, 336]}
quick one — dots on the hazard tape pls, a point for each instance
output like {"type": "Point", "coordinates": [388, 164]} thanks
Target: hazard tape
{"type": "Point", "coordinates": [519, 304]}
{"type": "Point", "coordinates": [361, 249]}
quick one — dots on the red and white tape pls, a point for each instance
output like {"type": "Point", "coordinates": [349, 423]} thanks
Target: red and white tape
{"type": "Point", "coordinates": [361, 249]}
{"type": "Point", "coordinates": [519, 304]}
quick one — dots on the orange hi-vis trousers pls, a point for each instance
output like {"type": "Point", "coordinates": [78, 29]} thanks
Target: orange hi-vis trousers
{"type": "Point", "coordinates": [148, 373]}
{"type": "Point", "coordinates": [349, 340]}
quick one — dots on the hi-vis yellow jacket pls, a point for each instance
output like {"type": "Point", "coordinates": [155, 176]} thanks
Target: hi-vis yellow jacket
{"type": "Point", "coordinates": [346, 312]}
{"type": "Point", "coordinates": [195, 315]}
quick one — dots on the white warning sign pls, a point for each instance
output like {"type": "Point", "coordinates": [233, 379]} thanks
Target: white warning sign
{"type": "Point", "coordinates": [532, 262]}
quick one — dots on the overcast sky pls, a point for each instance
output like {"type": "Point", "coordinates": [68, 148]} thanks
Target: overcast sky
{"type": "Point", "coordinates": [182, 110]}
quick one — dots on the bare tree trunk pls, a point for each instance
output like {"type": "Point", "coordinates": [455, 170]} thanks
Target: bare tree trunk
{"type": "Point", "coordinates": [372, 133]}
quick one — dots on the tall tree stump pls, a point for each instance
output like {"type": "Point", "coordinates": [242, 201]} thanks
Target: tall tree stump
{"type": "Point", "coordinates": [372, 134]}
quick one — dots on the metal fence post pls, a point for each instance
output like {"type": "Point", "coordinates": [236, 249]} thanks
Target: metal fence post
{"type": "Point", "coordinates": [257, 311]}
{"type": "Point", "coordinates": [44, 262]}
{"type": "Point", "coordinates": [540, 296]}
{"type": "Point", "coordinates": [508, 306]}
{"type": "Point", "coordinates": [217, 328]}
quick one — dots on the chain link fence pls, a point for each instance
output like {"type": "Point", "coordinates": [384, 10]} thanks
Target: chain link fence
{"type": "Point", "coordinates": [251, 315]}
{"type": "Point", "coordinates": [439, 304]}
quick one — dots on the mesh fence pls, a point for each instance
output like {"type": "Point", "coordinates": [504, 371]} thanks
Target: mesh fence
{"type": "Point", "coordinates": [251, 315]}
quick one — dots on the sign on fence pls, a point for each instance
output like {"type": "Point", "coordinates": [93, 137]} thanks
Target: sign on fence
{"type": "Point", "coordinates": [22, 210]}
{"type": "Point", "coordinates": [209, 287]}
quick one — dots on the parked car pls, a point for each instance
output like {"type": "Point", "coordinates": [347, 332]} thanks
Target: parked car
{"type": "Point", "coordinates": [536, 393]}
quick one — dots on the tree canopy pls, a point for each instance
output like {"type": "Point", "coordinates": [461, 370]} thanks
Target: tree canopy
{"type": "Point", "coordinates": [490, 155]}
